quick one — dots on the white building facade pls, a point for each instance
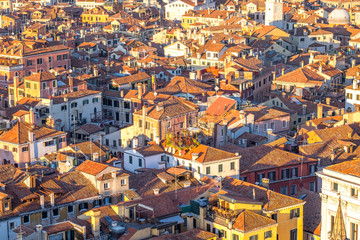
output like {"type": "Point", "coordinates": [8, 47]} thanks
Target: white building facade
{"type": "Point", "coordinates": [340, 189]}
{"type": "Point", "coordinates": [274, 13]}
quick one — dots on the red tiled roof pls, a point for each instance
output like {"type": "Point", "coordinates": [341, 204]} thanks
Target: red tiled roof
{"type": "Point", "coordinates": [220, 106]}
{"type": "Point", "coordinates": [91, 167]}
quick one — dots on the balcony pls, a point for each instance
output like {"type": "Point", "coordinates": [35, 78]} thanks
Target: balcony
{"type": "Point", "coordinates": [100, 117]}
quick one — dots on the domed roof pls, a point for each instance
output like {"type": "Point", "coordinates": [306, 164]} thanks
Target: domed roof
{"type": "Point", "coordinates": [339, 16]}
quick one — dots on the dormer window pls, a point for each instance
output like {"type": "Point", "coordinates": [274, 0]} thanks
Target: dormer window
{"type": "Point", "coordinates": [6, 206]}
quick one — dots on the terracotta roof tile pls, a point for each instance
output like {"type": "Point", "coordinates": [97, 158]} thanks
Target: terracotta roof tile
{"type": "Point", "coordinates": [247, 221]}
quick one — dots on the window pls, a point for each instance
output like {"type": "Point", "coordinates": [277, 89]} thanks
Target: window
{"type": "Point", "coordinates": [140, 162]}
{"type": "Point", "coordinates": [232, 165]}
{"type": "Point", "coordinates": [127, 105]}
{"type": "Point", "coordinates": [272, 126]}
{"type": "Point", "coordinates": [267, 234]}
{"type": "Point", "coordinates": [272, 176]}
{"type": "Point", "coordinates": [123, 182]}
{"type": "Point", "coordinates": [48, 143]}
{"type": "Point", "coordinates": [265, 127]}
{"type": "Point", "coordinates": [234, 236]}
{"type": "Point", "coordinates": [335, 187]}
{"type": "Point", "coordinates": [106, 185]}
{"type": "Point", "coordinates": [220, 167]}
{"type": "Point", "coordinates": [63, 107]}
{"type": "Point", "coordinates": [349, 95]}
{"type": "Point", "coordinates": [354, 231]}
{"type": "Point", "coordinates": [130, 159]}
{"type": "Point", "coordinates": [55, 212]}
{"type": "Point", "coordinates": [14, 150]}
{"type": "Point", "coordinates": [294, 213]}
{"type": "Point", "coordinates": [140, 123]}
{"type": "Point", "coordinates": [70, 209]}
{"type": "Point", "coordinates": [274, 216]}
{"type": "Point", "coordinates": [312, 186]}
{"type": "Point", "coordinates": [29, 62]}
{"type": "Point", "coordinates": [147, 125]}
{"type": "Point", "coordinates": [260, 176]}
{"type": "Point", "coordinates": [294, 172]}
{"type": "Point", "coordinates": [293, 234]}
{"type": "Point", "coordinates": [85, 102]}
{"type": "Point", "coordinates": [73, 105]}
{"type": "Point", "coordinates": [312, 168]}
{"type": "Point", "coordinates": [25, 149]}
{"type": "Point", "coordinates": [293, 190]}
{"type": "Point", "coordinates": [254, 237]}
{"type": "Point", "coordinates": [207, 170]}
{"type": "Point", "coordinates": [285, 173]}
{"type": "Point", "coordinates": [95, 100]}
{"type": "Point", "coordinates": [283, 190]}
{"type": "Point", "coordinates": [58, 57]}
{"type": "Point", "coordinates": [83, 206]}
{"type": "Point", "coordinates": [44, 214]}
{"type": "Point", "coordinates": [198, 169]}
{"type": "Point", "coordinates": [12, 225]}
{"type": "Point", "coordinates": [26, 218]}
{"type": "Point", "coordinates": [39, 61]}
{"type": "Point", "coordinates": [354, 192]}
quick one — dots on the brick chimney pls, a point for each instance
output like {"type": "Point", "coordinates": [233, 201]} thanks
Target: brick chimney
{"type": "Point", "coordinates": [140, 90]}
{"type": "Point", "coordinates": [71, 84]}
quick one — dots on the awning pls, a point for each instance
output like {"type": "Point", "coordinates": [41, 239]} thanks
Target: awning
{"type": "Point", "coordinates": [176, 219]}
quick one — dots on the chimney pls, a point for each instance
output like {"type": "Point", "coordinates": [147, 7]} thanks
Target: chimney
{"type": "Point", "coordinates": [311, 60]}
{"type": "Point", "coordinates": [156, 191]}
{"type": "Point", "coordinates": [320, 68]}
{"type": "Point", "coordinates": [71, 84]}
{"type": "Point", "coordinates": [38, 228]}
{"type": "Point", "coordinates": [302, 63]}
{"type": "Point", "coordinates": [113, 174]}
{"type": "Point", "coordinates": [140, 91]}
{"type": "Point", "coordinates": [95, 157]}
{"type": "Point", "coordinates": [282, 71]}
{"type": "Point", "coordinates": [353, 62]}
{"type": "Point", "coordinates": [16, 84]}
{"type": "Point", "coordinates": [95, 222]}
{"type": "Point", "coordinates": [265, 182]}
{"type": "Point", "coordinates": [32, 116]}
{"type": "Point", "coordinates": [254, 195]}
{"type": "Point", "coordinates": [42, 201]}
{"type": "Point", "coordinates": [31, 136]}
{"type": "Point", "coordinates": [122, 93]}
{"type": "Point", "coordinates": [187, 184]}
{"type": "Point", "coordinates": [328, 101]}
{"type": "Point", "coordinates": [304, 109]}
{"type": "Point", "coordinates": [52, 199]}
{"type": "Point", "coordinates": [319, 110]}
{"type": "Point", "coordinates": [157, 140]}
{"type": "Point", "coordinates": [159, 108]}
{"type": "Point", "coordinates": [355, 84]}
{"type": "Point", "coordinates": [332, 156]}
{"type": "Point", "coordinates": [195, 156]}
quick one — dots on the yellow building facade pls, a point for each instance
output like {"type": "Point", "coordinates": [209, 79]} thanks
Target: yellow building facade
{"type": "Point", "coordinates": [95, 15]}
